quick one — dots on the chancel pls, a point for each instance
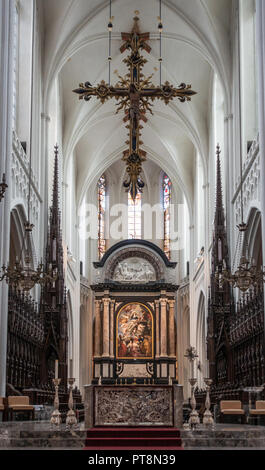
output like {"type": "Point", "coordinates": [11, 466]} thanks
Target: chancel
{"type": "Point", "coordinates": [132, 224]}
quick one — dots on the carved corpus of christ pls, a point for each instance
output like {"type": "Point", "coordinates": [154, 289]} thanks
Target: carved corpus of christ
{"type": "Point", "coordinates": [134, 94]}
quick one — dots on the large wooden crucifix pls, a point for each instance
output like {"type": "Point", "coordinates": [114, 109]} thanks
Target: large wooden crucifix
{"type": "Point", "coordinates": [134, 93]}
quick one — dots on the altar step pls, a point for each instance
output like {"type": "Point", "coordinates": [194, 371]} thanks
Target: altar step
{"type": "Point", "coordinates": [225, 436]}
{"type": "Point", "coordinates": [127, 438]}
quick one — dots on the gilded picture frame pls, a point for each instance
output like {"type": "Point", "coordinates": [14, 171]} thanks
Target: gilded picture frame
{"type": "Point", "coordinates": [135, 332]}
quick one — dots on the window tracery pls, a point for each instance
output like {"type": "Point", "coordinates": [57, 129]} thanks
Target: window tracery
{"type": "Point", "coordinates": [134, 217]}
{"type": "Point", "coordinates": [101, 215]}
{"type": "Point", "coordinates": [166, 209]}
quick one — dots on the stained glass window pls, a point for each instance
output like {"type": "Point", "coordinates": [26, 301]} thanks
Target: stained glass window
{"type": "Point", "coordinates": [166, 209]}
{"type": "Point", "coordinates": [134, 216]}
{"type": "Point", "coordinates": [101, 215]}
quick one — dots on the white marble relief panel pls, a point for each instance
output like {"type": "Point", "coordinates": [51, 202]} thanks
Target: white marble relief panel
{"type": "Point", "coordinates": [134, 269]}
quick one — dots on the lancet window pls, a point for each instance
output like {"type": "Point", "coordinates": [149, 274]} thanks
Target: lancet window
{"type": "Point", "coordinates": [166, 209]}
{"type": "Point", "coordinates": [101, 215]}
{"type": "Point", "coordinates": [134, 216]}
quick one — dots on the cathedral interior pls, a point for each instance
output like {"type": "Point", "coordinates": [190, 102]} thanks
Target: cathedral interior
{"type": "Point", "coordinates": [132, 219]}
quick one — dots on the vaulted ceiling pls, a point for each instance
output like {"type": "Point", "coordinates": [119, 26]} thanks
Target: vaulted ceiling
{"type": "Point", "coordinates": [195, 45]}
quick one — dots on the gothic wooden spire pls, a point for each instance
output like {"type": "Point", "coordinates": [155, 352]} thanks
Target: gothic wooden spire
{"type": "Point", "coordinates": [54, 297]}
{"type": "Point", "coordinates": [220, 304]}
{"type": "Point", "coordinates": [220, 246]}
{"type": "Point", "coordinates": [55, 213]}
{"type": "Point", "coordinates": [54, 251]}
{"type": "Point", "coordinates": [219, 211]}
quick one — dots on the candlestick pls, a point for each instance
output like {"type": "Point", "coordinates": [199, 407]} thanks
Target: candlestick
{"type": "Point", "coordinates": [56, 369]}
{"type": "Point", "coordinates": [56, 415]}
{"type": "Point", "coordinates": [194, 419]}
{"type": "Point", "coordinates": [71, 417]}
{"type": "Point", "coordinates": [208, 417]}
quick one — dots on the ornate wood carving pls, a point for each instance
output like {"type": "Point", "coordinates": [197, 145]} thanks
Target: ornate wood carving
{"type": "Point", "coordinates": [53, 301]}
{"type": "Point", "coordinates": [25, 340]}
{"type": "Point", "coordinates": [37, 334]}
{"type": "Point", "coordinates": [235, 336]}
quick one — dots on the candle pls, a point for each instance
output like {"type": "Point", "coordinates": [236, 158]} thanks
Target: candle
{"type": "Point", "coordinates": [56, 369]}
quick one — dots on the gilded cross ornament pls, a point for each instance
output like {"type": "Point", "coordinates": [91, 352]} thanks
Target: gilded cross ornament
{"type": "Point", "coordinates": [135, 94]}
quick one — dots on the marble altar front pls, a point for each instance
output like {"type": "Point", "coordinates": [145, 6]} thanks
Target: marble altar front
{"type": "Point", "coordinates": [133, 405]}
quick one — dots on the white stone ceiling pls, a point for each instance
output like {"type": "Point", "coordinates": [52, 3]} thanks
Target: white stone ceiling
{"type": "Point", "coordinates": [195, 46]}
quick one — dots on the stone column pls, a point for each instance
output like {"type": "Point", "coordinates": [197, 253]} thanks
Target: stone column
{"type": "Point", "coordinates": [89, 406]}
{"type": "Point", "coordinates": [111, 327]}
{"type": "Point", "coordinates": [172, 348]}
{"type": "Point", "coordinates": [7, 22]}
{"type": "Point", "coordinates": [178, 405]}
{"type": "Point", "coordinates": [97, 328]}
{"type": "Point", "coordinates": [105, 326]}
{"type": "Point", "coordinates": [45, 121]}
{"type": "Point", "coordinates": [87, 365]}
{"type": "Point", "coordinates": [163, 343]}
{"type": "Point", "coordinates": [157, 328]}
{"type": "Point", "coordinates": [260, 41]}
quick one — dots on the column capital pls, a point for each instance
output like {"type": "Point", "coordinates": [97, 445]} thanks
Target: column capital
{"type": "Point", "coordinates": [171, 302]}
{"type": "Point", "coordinates": [163, 301]}
{"type": "Point", "coordinates": [106, 300]}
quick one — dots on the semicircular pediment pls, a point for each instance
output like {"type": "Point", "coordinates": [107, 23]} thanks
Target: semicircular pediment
{"type": "Point", "coordinates": [134, 264]}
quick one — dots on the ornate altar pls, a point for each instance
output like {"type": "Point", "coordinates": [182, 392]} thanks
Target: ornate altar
{"type": "Point", "coordinates": [133, 405]}
{"type": "Point", "coordinates": [134, 315]}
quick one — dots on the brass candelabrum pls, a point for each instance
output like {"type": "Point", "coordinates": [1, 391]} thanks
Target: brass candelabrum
{"type": "Point", "coordinates": [207, 416]}
{"type": "Point", "coordinates": [56, 418]}
{"type": "Point", "coordinates": [71, 420]}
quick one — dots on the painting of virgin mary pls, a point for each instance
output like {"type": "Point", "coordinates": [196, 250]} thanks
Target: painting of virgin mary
{"type": "Point", "coordinates": [134, 332]}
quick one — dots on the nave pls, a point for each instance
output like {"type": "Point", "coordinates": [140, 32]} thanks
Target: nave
{"type": "Point", "coordinates": [132, 208]}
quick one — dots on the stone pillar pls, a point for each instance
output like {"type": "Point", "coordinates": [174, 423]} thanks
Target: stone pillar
{"type": "Point", "coordinates": [7, 22]}
{"type": "Point", "coordinates": [86, 375]}
{"type": "Point", "coordinates": [163, 343]}
{"type": "Point", "coordinates": [111, 327]}
{"type": "Point", "coordinates": [157, 328]}
{"type": "Point", "coordinates": [45, 121]}
{"type": "Point", "coordinates": [105, 327]}
{"type": "Point", "coordinates": [172, 348]}
{"type": "Point", "coordinates": [89, 406]}
{"type": "Point", "coordinates": [97, 328]}
{"type": "Point", "coordinates": [260, 41]}
{"type": "Point", "coordinates": [178, 405]}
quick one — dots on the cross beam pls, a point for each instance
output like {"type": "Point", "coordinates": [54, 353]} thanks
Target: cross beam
{"type": "Point", "coordinates": [134, 94]}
